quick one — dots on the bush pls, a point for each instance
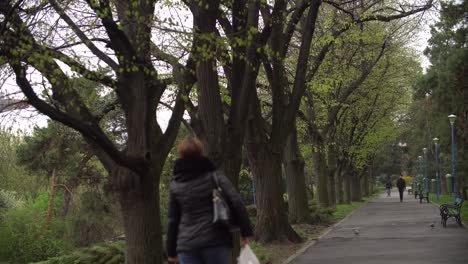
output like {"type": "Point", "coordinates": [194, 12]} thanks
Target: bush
{"type": "Point", "coordinates": [319, 214]}
{"type": "Point", "coordinates": [9, 200]}
{"type": "Point", "coordinates": [93, 220]}
{"type": "Point", "coordinates": [408, 180]}
{"type": "Point", "coordinates": [106, 253]}
{"type": "Point", "coordinates": [23, 238]}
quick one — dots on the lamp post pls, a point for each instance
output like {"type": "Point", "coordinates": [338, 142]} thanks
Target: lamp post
{"type": "Point", "coordinates": [421, 168]}
{"type": "Point", "coordinates": [452, 118]}
{"type": "Point", "coordinates": [426, 182]}
{"type": "Point", "coordinates": [436, 143]}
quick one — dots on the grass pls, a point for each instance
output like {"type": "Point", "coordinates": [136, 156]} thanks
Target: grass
{"type": "Point", "coordinates": [342, 210]}
{"type": "Point", "coordinates": [448, 199]}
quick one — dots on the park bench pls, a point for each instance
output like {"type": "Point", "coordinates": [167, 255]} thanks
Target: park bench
{"type": "Point", "coordinates": [423, 195]}
{"type": "Point", "coordinates": [417, 189]}
{"type": "Point", "coordinates": [449, 210]}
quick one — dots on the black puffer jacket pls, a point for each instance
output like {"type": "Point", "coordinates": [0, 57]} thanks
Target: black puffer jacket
{"type": "Point", "coordinates": [190, 223]}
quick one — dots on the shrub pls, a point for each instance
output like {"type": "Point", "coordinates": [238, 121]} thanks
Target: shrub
{"type": "Point", "coordinates": [23, 237]}
{"type": "Point", "coordinates": [9, 200]}
{"type": "Point", "coordinates": [319, 214]}
{"type": "Point", "coordinates": [106, 253]}
{"type": "Point", "coordinates": [92, 221]}
{"type": "Point", "coordinates": [408, 180]}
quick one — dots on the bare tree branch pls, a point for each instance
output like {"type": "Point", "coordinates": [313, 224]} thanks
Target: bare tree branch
{"type": "Point", "coordinates": [101, 55]}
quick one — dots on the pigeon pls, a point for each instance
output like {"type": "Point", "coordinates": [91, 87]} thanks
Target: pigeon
{"type": "Point", "coordinates": [356, 231]}
{"type": "Point", "coordinates": [432, 225]}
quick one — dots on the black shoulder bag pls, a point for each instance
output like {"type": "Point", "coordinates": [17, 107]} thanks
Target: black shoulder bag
{"type": "Point", "coordinates": [221, 211]}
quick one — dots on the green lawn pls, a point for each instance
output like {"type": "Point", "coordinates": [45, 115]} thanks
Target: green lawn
{"type": "Point", "coordinates": [448, 199]}
{"type": "Point", "coordinates": [342, 210]}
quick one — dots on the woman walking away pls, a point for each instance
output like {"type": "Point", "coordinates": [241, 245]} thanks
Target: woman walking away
{"type": "Point", "coordinates": [192, 237]}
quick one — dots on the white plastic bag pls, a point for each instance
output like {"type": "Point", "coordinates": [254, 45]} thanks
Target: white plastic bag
{"type": "Point", "coordinates": [247, 256]}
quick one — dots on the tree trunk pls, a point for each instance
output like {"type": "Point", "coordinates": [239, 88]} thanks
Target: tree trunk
{"type": "Point", "coordinates": [339, 185]}
{"type": "Point", "coordinates": [141, 220]}
{"type": "Point", "coordinates": [209, 97]}
{"type": "Point", "coordinates": [272, 221]}
{"type": "Point", "coordinates": [365, 185]}
{"type": "Point", "coordinates": [50, 206]}
{"type": "Point", "coordinates": [65, 204]}
{"type": "Point", "coordinates": [70, 185]}
{"type": "Point", "coordinates": [347, 187]}
{"type": "Point", "coordinates": [295, 180]}
{"type": "Point", "coordinates": [355, 187]}
{"type": "Point", "coordinates": [322, 179]}
{"type": "Point", "coordinates": [331, 169]}
{"type": "Point", "coordinates": [331, 189]}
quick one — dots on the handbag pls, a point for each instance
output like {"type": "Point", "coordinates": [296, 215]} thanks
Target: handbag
{"type": "Point", "coordinates": [221, 210]}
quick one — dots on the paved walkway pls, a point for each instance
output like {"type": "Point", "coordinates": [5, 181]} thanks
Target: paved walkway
{"type": "Point", "coordinates": [391, 232]}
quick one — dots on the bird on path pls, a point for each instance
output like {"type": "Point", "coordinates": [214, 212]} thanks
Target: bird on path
{"type": "Point", "coordinates": [356, 231]}
{"type": "Point", "coordinates": [432, 225]}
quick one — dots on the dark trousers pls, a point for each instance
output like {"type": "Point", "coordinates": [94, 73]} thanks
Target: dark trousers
{"type": "Point", "coordinates": [211, 255]}
{"type": "Point", "coordinates": [401, 193]}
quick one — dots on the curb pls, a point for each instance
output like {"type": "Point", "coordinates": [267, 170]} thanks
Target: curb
{"type": "Point", "coordinates": [312, 242]}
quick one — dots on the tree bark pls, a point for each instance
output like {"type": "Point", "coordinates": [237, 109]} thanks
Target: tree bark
{"type": "Point", "coordinates": [331, 169]}
{"type": "Point", "coordinates": [331, 189]}
{"type": "Point", "coordinates": [339, 185]}
{"type": "Point", "coordinates": [65, 204]}
{"type": "Point", "coordinates": [141, 220]}
{"type": "Point", "coordinates": [295, 181]}
{"type": "Point", "coordinates": [347, 187]}
{"type": "Point", "coordinates": [367, 177]}
{"type": "Point", "coordinates": [355, 187]}
{"type": "Point", "coordinates": [209, 96]}
{"type": "Point", "coordinates": [322, 179]}
{"type": "Point", "coordinates": [272, 221]}
{"type": "Point", "coordinates": [50, 206]}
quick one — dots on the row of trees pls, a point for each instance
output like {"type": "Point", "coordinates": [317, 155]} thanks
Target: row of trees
{"type": "Point", "coordinates": [271, 79]}
{"type": "Point", "coordinates": [440, 92]}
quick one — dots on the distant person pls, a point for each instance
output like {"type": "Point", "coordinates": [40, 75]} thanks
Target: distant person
{"type": "Point", "coordinates": [191, 235]}
{"type": "Point", "coordinates": [388, 186]}
{"type": "Point", "coordinates": [401, 184]}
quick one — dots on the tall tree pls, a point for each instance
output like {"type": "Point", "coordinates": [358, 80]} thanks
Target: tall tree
{"type": "Point", "coordinates": [446, 82]}
{"type": "Point", "coordinates": [118, 37]}
{"type": "Point", "coordinates": [265, 143]}
{"type": "Point", "coordinates": [294, 168]}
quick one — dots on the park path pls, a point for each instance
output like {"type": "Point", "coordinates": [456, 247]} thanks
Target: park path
{"type": "Point", "coordinates": [391, 232]}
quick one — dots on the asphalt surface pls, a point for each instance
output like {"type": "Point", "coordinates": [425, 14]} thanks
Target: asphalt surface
{"type": "Point", "coordinates": [391, 232]}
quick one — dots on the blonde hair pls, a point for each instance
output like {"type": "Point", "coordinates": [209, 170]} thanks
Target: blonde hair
{"type": "Point", "coordinates": [190, 147]}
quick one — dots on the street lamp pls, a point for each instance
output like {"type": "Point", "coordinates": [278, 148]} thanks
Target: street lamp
{"type": "Point", "coordinates": [426, 182]}
{"type": "Point", "coordinates": [436, 143]}
{"type": "Point", "coordinates": [420, 158]}
{"type": "Point", "coordinates": [452, 118]}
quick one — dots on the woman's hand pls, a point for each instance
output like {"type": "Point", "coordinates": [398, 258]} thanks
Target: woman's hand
{"type": "Point", "coordinates": [172, 260]}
